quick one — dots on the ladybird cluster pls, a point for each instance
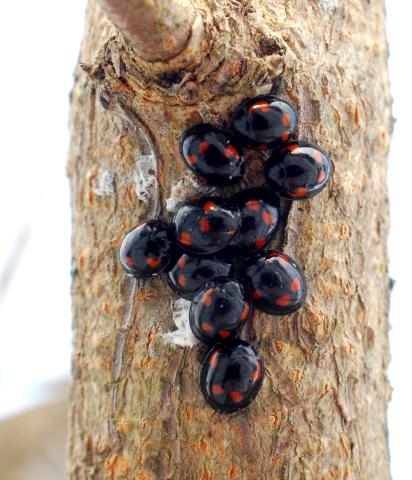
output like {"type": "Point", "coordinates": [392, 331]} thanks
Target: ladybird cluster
{"type": "Point", "coordinates": [216, 251]}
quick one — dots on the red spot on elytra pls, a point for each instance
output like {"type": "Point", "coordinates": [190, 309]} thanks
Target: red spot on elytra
{"type": "Point", "coordinates": [185, 238]}
{"type": "Point", "coordinates": [283, 301]}
{"type": "Point", "coordinates": [129, 261]}
{"type": "Point", "coordinates": [283, 260]}
{"type": "Point", "coordinates": [286, 119]}
{"type": "Point", "coordinates": [207, 297]}
{"type": "Point", "coordinates": [203, 146]}
{"type": "Point", "coordinates": [213, 360]}
{"type": "Point", "coordinates": [231, 151]}
{"type": "Point", "coordinates": [182, 281]}
{"type": "Point", "coordinates": [192, 159]}
{"type": "Point", "coordinates": [260, 243]}
{"type": "Point", "coordinates": [153, 262]}
{"type": "Point", "coordinates": [295, 285]}
{"type": "Point", "coordinates": [208, 206]}
{"type": "Point", "coordinates": [300, 192]}
{"type": "Point", "coordinates": [318, 157]}
{"type": "Point", "coordinates": [256, 294]}
{"type": "Point", "coordinates": [245, 312]}
{"type": "Point", "coordinates": [253, 204]}
{"type": "Point", "coordinates": [285, 137]}
{"type": "Point", "coordinates": [204, 225]}
{"type": "Point", "coordinates": [217, 390]}
{"type": "Point", "coordinates": [262, 147]}
{"type": "Point", "coordinates": [267, 218]}
{"type": "Point", "coordinates": [278, 255]}
{"type": "Point", "coordinates": [224, 333]}
{"type": "Point", "coordinates": [257, 374]}
{"type": "Point", "coordinates": [236, 396]}
{"type": "Point", "coordinates": [321, 176]}
{"type": "Point", "coordinates": [182, 262]}
{"type": "Point", "coordinates": [207, 327]}
{"type": "Point", "coordinates": [289, 148]}
{"type": "Point", "coordinates": [262, 106]}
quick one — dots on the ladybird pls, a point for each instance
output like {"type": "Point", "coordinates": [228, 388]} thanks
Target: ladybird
{"type": "Point", "coordinates": [147, 250]}
{"type": "Point", "coordinates": [219, 311]}
{"type": "Point", "coordinates": [192, 272]}
{"type": "Point", "coordinates": [213, 154]}
{"type": "Point", "coordinates": [206, 225]}
{"type": "Point", "coordinates": [275, 283]}
{"type": "Point", "coordinates": [264, 122]}
{"type": "Point", "coordinates": [299, 170]}
{"type": "Point", "coordinates": [260, 213]}
{"type": "Point", "coordinates": [231, 376]}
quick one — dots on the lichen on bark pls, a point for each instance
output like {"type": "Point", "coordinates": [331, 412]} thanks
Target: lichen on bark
{"type": "Point", "coordinates": [136, 410]}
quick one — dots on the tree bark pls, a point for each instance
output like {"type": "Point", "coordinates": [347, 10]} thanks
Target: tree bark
{"type": "Point", "coordinates": [136, 409]}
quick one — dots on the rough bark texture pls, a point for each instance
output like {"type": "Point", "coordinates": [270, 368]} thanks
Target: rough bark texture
{"type": "Point", "coordinates": [136, 410]}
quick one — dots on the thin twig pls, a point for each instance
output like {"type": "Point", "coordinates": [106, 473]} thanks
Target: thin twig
{"type": "Point", "coordinates": [158, 29]}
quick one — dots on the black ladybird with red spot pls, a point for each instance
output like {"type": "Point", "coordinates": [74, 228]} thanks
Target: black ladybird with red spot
{"type": "Point", "coordinates": [231, 376]}
{"type": "Point", "coordinates": [275, 283]}
{"type": "Point", "coordinates": [207, 225]}
{"type": "Point", "coordinates": [191, 273]}
{"type": "Point", "coordinates": [260, 218]}
{"type": "Point", "coordinates": [264, 122]}
{"type": "Point", "coordinates": [219, 311]}
{"type": "Point", "coordinates": [213, 154]}
{"type": "Point", "coordinates": [147, 250]}
{"type": "Point", "coordinates": [299, 170]}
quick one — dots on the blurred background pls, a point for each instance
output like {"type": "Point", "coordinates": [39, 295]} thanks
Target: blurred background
{"type": "Point", "coordinates": [35, 337]}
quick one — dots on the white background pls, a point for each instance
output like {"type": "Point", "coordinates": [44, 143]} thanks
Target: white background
{"type": "Point", "coordinates": [35, 80]}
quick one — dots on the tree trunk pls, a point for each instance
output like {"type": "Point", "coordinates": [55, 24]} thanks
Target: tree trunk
{"type": "Point", "coordinates": [136, 409]}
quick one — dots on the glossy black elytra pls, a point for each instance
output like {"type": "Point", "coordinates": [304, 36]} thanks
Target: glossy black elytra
{"type": "Point", "coordinates": [213, 154]}
{"type": "Point", "coordinates": [260, 212]}
{"type": "Point", "coordinates": [275, 283]}
{"type": "Point", "coordinates": [207, 225]}
{"type": "Point", "coordinates": [191, 273]}
{"type": "Point", "coordinates": [225, 263]}
{"type": "Point", "coordinates": [298, 170]}
{"type": "Point", "coordinates": [219, 311]}
{"type": "Point", "coordinates": [147, 250]}
{"type": "Point", "coordinates": [231, 376]}
{"type": "Point", "coordinates": [264, 122]}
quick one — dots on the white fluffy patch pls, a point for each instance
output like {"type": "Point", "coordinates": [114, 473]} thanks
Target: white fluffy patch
{"type": "Point", "coordinates": [183, 336]}
{"type": "Point", "coordinates": [328, 5]}
{"type": "Point", "coordinates": [104, 184]}
{"type": "Point", "coordinates": [186, 187]}
{"type": "Point", "coordinates": [145, 177]}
